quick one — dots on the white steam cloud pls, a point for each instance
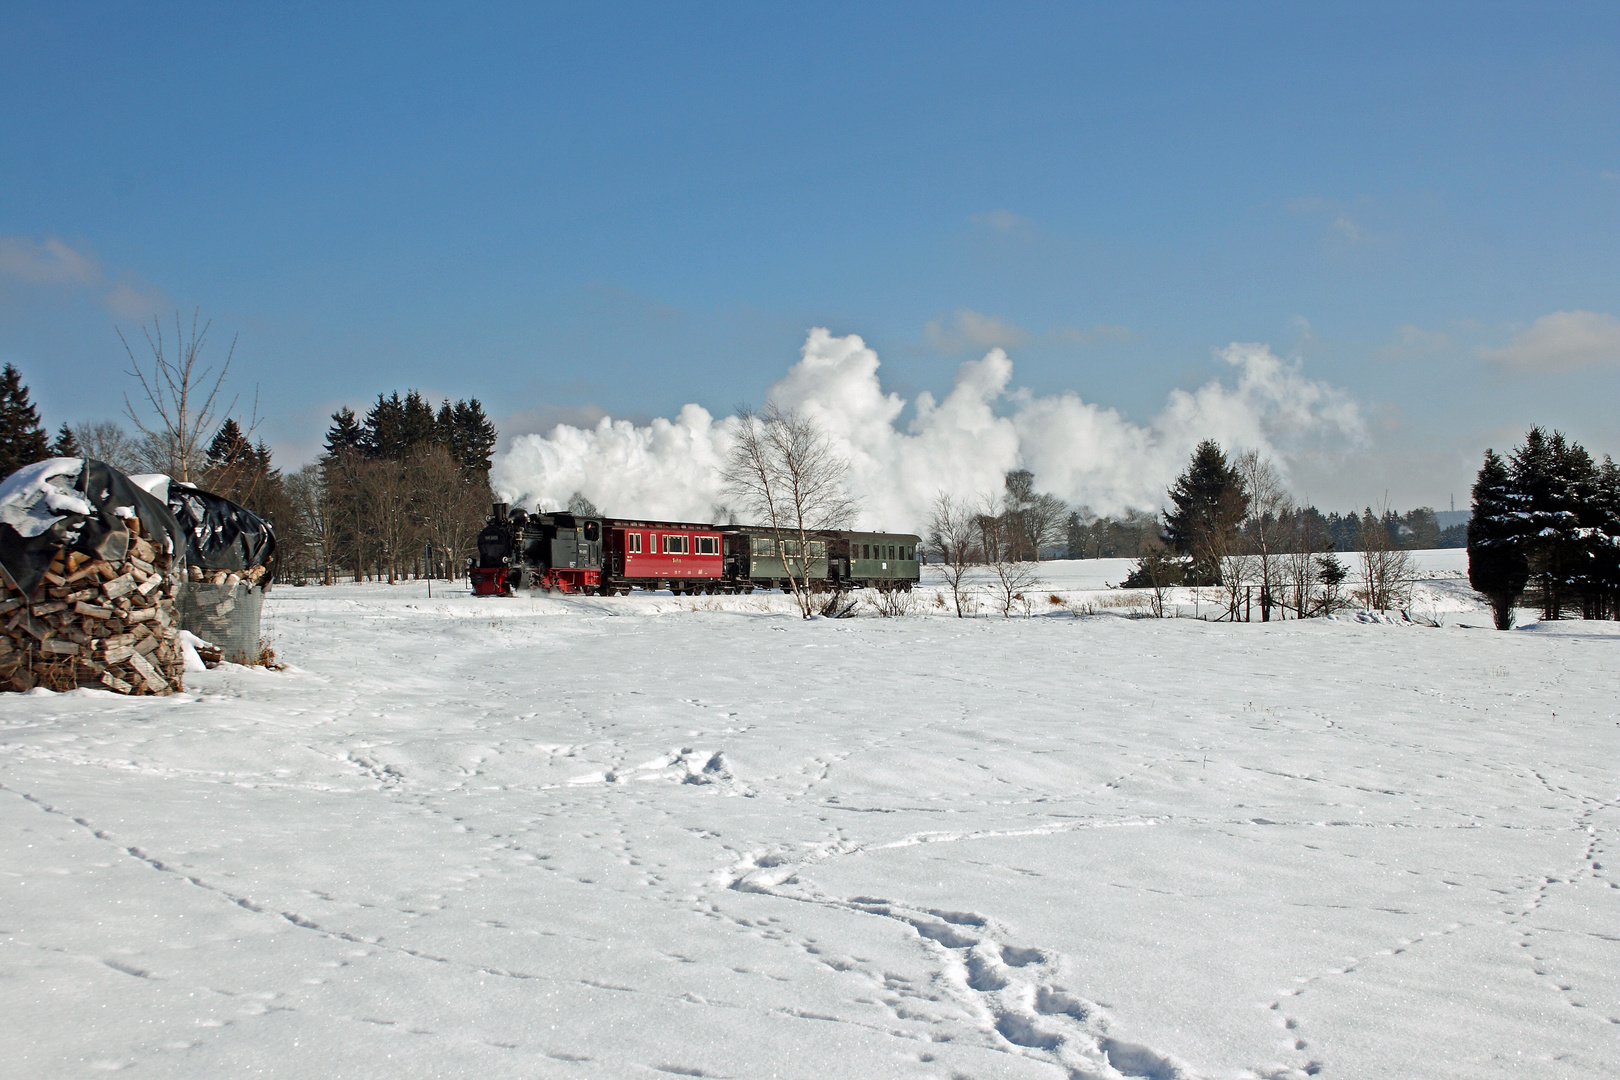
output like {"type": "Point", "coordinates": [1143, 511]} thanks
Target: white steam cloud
{"type": "Point", "coordinates": [962, 444]}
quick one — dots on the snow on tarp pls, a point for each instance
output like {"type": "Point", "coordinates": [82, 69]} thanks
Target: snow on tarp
{"type": "Point", "coordinates": [220, 534]}
{"type": "Point", "coordinates": [73, 504]}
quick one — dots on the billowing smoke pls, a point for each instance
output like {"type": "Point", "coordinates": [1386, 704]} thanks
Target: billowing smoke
{"type": "Point", "coordinates": [963, 444]}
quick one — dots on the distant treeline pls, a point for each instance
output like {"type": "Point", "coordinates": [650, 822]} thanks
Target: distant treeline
{"type": "Point", "coordinates": [1093, 537]}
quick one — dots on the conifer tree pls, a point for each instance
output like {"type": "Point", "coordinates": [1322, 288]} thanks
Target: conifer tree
{"type": "Point", "coordinates": [1497, 567]}
{"type": "Point", "coordinates": [22, 439]}
{"type": "Point", "coordinates": [230, 446]}
{"type": "Point", "coordinates": [1210, 502]}
{"type": "Point", "coordinates": [472, 441]}
{"type": "Point", "coordinates": [1603, 593]}
{"type": "Point", "coordinates": [66, 444]}
{"type": "Point", "coordinates": [345, 434]}
{"type": "Point", "coordinates": [1556, 481]}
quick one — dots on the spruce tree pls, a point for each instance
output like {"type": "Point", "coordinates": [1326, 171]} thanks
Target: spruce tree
{"type": "Point", "coordinates": [1497, 566]}
{"type": "Point", "coordinates": [1210, 501]}
{"type": "Point", "coordinates": [1603, 594]}
{"type": "Point", "coordinates": [475, 440]}
{"type": "Point", "coordinates": [230, 446]}
{"type": "Point", "coordinates": [66, 445]}
{"type": "Point", "coordinates": [385, 428]}
{"type": "Point", "coordinates": [345, 434]}
{"type": "Point", "coordinates": [1556, 481]}
{"type": "Point", "coordinates": [22, 439]}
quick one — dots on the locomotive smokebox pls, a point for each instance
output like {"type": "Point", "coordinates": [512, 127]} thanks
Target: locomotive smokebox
{"type": "Point", "coordinates": [498, 511]}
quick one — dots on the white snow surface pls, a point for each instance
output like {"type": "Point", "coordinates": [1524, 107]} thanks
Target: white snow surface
{"type": "Point", "coordinates": [656, 836]}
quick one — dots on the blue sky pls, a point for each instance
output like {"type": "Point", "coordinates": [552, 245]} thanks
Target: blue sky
{"type": "Point", "coordinates": [565, 210]}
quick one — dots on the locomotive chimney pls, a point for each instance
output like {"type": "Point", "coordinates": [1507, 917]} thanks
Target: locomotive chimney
{"type": "Point", "coordinates": [498, 511]}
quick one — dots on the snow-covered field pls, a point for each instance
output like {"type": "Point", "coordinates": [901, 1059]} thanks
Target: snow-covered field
{"type": "Point", "coordinates": [657, 836]}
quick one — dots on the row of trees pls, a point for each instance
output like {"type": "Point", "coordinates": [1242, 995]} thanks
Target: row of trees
{"type": "Point", "coordinates": [398, 484]}
{"type": "Point", "coordinates": [1230, 524]}
{"type": "Point", "coordinates": [1546, 521]}
{"type": "Point", "coordinates": [1092, 537]}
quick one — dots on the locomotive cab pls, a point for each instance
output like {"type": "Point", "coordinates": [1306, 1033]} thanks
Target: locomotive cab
{"type": "Point", "coordinates": [573, 543]}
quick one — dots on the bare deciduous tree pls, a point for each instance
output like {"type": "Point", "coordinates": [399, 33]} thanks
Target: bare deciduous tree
{"type": "Point", "coordinates": [1014, 574]}
{"type": "Point", "coordinates": [783, 469]}
{"type": "Point", "coordinates": [1306, 539]}
{"type": "Point", "coordinates": [1268, 505]}
{"type": "Point", "coordinates": [316, 512]}
{"type": "Point", "coordinates": [182, 399]}
{"type": "Point", "coordinates": [449, 509]}
{"type": "Point", "coordinates": [953, 535]}
{"type": "Point", "coordinates": [1035, 519]}
{"type": "Point", "coordinates": [1386, 569]}
{"type": "Point", "coordinates": [106, 440]}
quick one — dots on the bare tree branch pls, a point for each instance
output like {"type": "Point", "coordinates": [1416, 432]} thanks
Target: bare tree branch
{"type": "Point", "coordinates": [784, 470]}
{"type": "Point", "coordinates": [180, 397]}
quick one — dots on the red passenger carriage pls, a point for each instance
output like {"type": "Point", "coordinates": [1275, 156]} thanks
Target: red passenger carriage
{"type": "Point", "coordinates": [679, 556]}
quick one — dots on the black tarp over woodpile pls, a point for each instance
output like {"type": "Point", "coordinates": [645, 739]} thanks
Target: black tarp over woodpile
{"type": "Point", "coordinates": [222, 535]}
{"type": "Point", "coordinates": [92, 564]}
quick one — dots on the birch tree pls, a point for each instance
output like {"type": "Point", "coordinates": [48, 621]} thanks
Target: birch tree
{"type": "Point", "coordinates": [783, 470]}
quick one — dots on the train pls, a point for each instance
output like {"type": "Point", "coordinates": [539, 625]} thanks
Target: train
{"type": "Point", "coordinates": [601, 556]}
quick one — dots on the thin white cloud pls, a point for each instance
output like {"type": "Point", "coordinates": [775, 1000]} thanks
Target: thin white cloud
{"type": "Point", "coordinates": [133, 298]}
{"type": "Point", "coordinates": [969, 329]}
{"type": "Point", "coordinates": [1002, 221]}
{"type": "Point", "coordinates": [1562, 341]}
{"type": "Point", "coordinates": [1412, 342]}
{"type": "Point", "coordinates": [53, 261]}
{"type": "Point", "coordinates": [1342, 227]}
{"type": "Point", "coordinates": [1100, 332]}
{"type": "Point", "coordinates": [47, 262]}
{"type": "Point", "coordinates": [1349, 229]}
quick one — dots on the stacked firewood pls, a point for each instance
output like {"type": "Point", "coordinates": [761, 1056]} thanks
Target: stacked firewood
{"type": "Point", "coordinates": [252, 575]}
{"type": "Point", "coordinates": [95, 623]}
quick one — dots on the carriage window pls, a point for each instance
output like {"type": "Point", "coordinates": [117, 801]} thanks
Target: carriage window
{"type": "Point", "coordinates": [866, 551]}
{"type": "Point", "coordinates": [708, 545]}
{"type": "Point", "coordinates": [593, 531]}
{"type": "Point", "coordinates": [632, 543]}
{"type": "Point", "coordinates": [674, 545]}
{"type": "Point", "coordinates": [818, 549]}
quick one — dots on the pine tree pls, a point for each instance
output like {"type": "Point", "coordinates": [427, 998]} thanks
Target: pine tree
{"type": "Point", "coordinates": [1210, 502]}
{"type": "Point", "coordinates": [474, 442]}
{"type": "Point", "coordinates": [345, 434]}
{"type": "Point", "coordinates": [1603, 593]}
{"type": "Point", "coordinates": [1497, 566]}
{"type": "Point", "coordinates": [1556, 481]}
{"type": "Point", "coordinates": [22, 439]}
{"type": "Point", "coordinates": [385, 428]}
{"type": "Point", "coordinates": [66, 444]}
{"type": "Point", "coordinates": [230, 447]}
{"type": "Point", "coordinates": [395, 426]}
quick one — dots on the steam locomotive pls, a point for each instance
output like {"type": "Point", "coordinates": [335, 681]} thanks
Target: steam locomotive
{"type": "Point", "coordinates": [570, 553]}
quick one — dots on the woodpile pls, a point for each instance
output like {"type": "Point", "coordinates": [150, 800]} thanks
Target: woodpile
{"type": "Point", "coordinates": [95, 623]}
{"type": "Point", "coordinates": [224, 608]}
{"type": "Point", "coordinates": [252, 575]}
